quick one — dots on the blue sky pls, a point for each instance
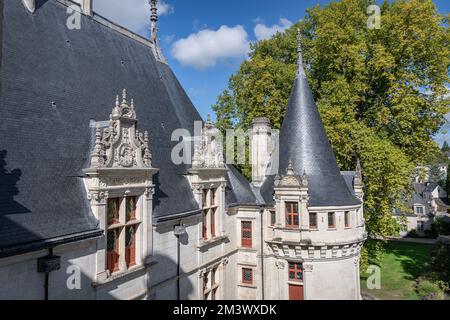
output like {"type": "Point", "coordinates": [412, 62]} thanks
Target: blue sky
{"type": "Point", "coordinates": [205, 41]}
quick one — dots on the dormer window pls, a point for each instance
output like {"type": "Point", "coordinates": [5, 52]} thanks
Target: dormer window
{"type": "Point", "coordinates": [292, 215]}
{"type": "Point", "coordinates": [113, 211]}
{"type": "Point", "coordinates": [123, 226]}
{"type": "Point", "coordinates": [209, 209]}
{"type": "Point", "coordinates": [419, 210]}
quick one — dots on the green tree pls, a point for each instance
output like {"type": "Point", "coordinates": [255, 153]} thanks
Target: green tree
{"type": "Point", "coordinates": [436, 175]}
{"type": "Point", "coordinates": [379, 92]}
{"type": "Point", "coordinates": [445, 147]}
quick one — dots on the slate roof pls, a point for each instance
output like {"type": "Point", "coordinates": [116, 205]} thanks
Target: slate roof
{"type": "Point", "coordinates": [238, 190]}
{"type": "Point", "coordinates": [349, 178]}
{"type": "Point", "coordinates": [303, 140]}
{"type": "Point", "coordinates": [54, 81]}
{"type": "Point", "coordinates": [443, 202]}
{"type": "Point", "coordinates": [430, 187]}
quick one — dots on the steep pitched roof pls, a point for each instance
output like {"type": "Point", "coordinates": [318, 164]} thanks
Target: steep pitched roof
{"type": "Point", "coordinates": [303, 141]}
{"type": "Point", "coordinates": [54, 81]}
{"type": "Point", "coordinates": [430, 187]}
{"type": "Point", "coordinates": [239, 190]}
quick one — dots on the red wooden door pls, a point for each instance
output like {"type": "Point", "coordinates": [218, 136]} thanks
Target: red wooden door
{"type": "Point", "coordinates": [295, 292]}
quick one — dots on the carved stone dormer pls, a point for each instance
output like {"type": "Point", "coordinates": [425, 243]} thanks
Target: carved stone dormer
{"type": "Point", "coordinates": [121, 169]}
{"type": "Point", "coordinates": [208, 152]}
{"type": "Point", "coordinates": [291, 179]}
{"type": "Point", "coordinates": [121, 145]}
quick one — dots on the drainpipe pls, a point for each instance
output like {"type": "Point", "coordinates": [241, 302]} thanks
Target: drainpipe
{"type": "Point", "coordinates": [179, 231]}
{"type": "Point", "coordinates": [261, 211]}
{"type": "Point", "coordinates": [47, 265]}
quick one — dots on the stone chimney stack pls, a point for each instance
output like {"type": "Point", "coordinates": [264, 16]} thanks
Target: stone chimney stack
{"type": "Point", "coordinates": [260, 149]}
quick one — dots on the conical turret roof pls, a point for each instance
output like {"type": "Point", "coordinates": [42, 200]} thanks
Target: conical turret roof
{"type": "Point", "coordinates": [304, 142]}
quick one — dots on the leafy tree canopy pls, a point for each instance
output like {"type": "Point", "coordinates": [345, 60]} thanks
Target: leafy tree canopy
{"type": "Point", "coordinates": [379, 92]}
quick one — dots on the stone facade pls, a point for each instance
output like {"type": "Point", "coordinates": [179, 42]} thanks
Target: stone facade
{"type": "Point", "coordinates": [221, 251]}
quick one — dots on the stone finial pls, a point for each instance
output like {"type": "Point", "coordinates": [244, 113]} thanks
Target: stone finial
{"type": "Point", "coordinates": [305, 179]}
{"type": "Point", "coordinates": [290, 169]}
{"type": "Point", "coordinates": [147, 154]}
{"type": "Point", "coordinates": [300, 68]}
{"type": "Point", "coordinates": [124, 96]}
{"type": "Point", "coordinates": [97, 155]}
{"type": "Point", "coordinates": [154, 19]}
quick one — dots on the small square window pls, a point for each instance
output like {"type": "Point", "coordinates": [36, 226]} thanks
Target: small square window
{"type": "Point", "coordinates": [295, 271]}
{"type": "Point", "coordinates": [292, 215]}
{"type": "Point", "coordinates": [247, 276]}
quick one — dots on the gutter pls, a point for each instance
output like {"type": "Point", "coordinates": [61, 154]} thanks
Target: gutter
{"type": "Point", "coordinates": [48, 243]}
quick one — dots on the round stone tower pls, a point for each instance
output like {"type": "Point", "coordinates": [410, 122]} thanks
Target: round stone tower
{"type": "Point", "coordinates": [315, 225]}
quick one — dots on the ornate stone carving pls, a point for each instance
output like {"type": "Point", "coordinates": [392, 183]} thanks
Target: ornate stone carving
{"type": "Point", "coordinates": [280, 264]}
{"type": "Point", "coordinates": [121, 145]}
{"type": "Point", "coordinates": [225, 261]}
{"type": "Point", "coordinates": [308, 267]}
{"type": "Point", "coordinates": [291, 179]}
{"type": "Point", "coordinates": [97, 196]}
{"type": "Point", "coordinates": [208, 152]}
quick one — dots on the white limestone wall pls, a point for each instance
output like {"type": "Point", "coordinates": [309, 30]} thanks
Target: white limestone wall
{"type": "Point", "coordinates": [249, 257]}
{"type": "Point", "coordinates": [333, 280]}
{"type": "Point", "coordinates": [196, 256]}
{"type": "Point", "coordinates": [19, 278]}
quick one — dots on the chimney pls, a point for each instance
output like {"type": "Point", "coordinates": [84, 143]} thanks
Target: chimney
{"type": "Point", "coordinates": [260, 149]}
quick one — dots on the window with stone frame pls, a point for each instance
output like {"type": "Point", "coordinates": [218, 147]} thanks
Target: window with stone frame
{"type": "Point", "coordinates": [122, 218]}
{"type": "Point", "coordinates": [247, 275]}
{"type": "Point", "coordinates": [295, 271]}
{"type": "Point", "coordinates": [210, 284]}
{"type": "Point", "coordinates": [213, 222]}
{"type": "Point", "coordinates": [419, 210]}
{"type": "Point", "coordinates": [273, 218]}
{"type": "Point", "coordinates": [331, 220]}
{"type": "Point", "coordinates": [246, 234]}
{"type": "Point", "coordinates": [347, 219]}
{"type": "Point", "coordinates": [209, 209]}
{"type": "Point", "coordinates": [292, 215]}
{"type": "Point", "coordinates": [313, 220]}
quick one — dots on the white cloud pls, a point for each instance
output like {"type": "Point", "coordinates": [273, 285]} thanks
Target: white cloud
{"type": "Point", "coordinates": [131, 14]}
{"type": "Point", "coordinates": [263, 32]}
{"type": "Point", "coordinates": [205, 48]}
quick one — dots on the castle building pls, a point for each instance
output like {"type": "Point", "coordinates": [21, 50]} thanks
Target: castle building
{"type": "Point", "coordinates": [92, 205]}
